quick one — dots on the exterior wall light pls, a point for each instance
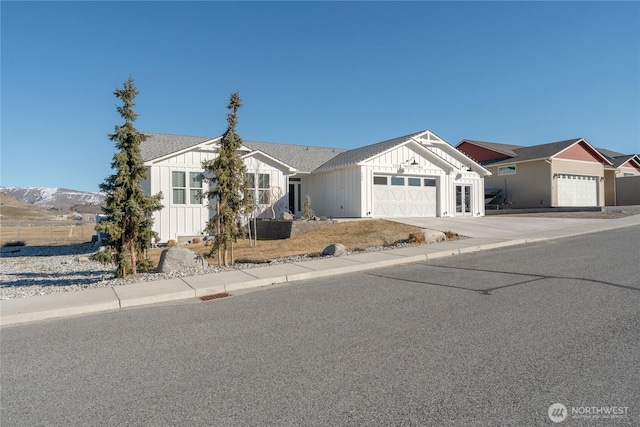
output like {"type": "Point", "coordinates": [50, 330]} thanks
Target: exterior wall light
{"type": "Point", "coordinates": [413, 162]}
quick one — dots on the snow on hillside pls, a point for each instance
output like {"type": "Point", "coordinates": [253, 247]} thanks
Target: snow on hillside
{"type": "Point", "coordinates": [58, 198]}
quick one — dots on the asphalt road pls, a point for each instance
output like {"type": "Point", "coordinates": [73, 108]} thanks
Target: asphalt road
{"type": "Point", "coordinates": [490, 338]}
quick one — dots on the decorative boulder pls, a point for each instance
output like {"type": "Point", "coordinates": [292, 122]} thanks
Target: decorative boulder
{"type": "Point", "coordinates": [334, 249]}
{"type": "Point", "coordinates": [286, 216]}
{"type": "Point", "coordinates": [177, 258]}
{"type": "Point", "coordinates": [431, 236]}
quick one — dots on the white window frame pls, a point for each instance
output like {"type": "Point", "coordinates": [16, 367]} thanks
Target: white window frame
{"type": "Point", "coordinates": [195, 188]}
{"type": "Point", "coordinates": [187, 188]}
{"type": "Point", "coordinates": [507, 170]}
{"type": "Point", "coordinates": [261, 192]}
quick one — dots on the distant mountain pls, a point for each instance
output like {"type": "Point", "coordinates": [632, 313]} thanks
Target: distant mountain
{"type": "Point", "coordinates": [56, 198]}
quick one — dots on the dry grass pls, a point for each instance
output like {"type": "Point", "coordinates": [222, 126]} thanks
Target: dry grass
{"type": "Point", "coordinates": [352, 234]}
{"type": "Point", "coordinates": [12, 209]}
{"type": "Point", "coordinates": [54, 233]}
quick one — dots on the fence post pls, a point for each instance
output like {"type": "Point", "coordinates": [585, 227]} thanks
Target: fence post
{"type": "Point", "coordinates": [18, 231]}
{"type": "Point", "coordinates": [51, 234]}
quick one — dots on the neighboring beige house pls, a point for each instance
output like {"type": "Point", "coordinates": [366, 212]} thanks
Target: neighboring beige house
{"type": "Point", "coordinates": [416, 175]}
{"type": "Point", "coordinates": [618, 190]}
{"type": "Point", "coordinates": [564, 173]}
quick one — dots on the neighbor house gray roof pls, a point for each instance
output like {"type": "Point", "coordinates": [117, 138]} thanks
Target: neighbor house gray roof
{"type": "Point", "coordinates": [621, 160]}
{"type": "Point", "coordinates": [609, 153]}
{"type": "Point", "coordinates": [618, 159]}
{"type": "Point", "coordinates": [304, 158]}
{"type": "Point", "coordinates": [161, 144]}
{"type": "Point", "coordinates": [357, 155]}
{"type": "Point", "coordinates": [536, 152]}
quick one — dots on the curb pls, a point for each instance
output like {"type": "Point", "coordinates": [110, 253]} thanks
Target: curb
{"type": "Point", "coordinates": [91, 301]}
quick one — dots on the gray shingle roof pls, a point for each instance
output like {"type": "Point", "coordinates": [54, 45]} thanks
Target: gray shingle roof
{"type": "Point", "coordinates": [161, 144]}
{"type": "Point", "coordinates": [621, 160]}
{"type": "Point", "coordinates": [305, 158]}
{"type": "Point", "coordinates": [536, 152]}
{"type": "Point", "coordinates": [301, 157]}
{"type": "Point", "coordinates": [352, 157]}
{"type": "Point", "coordinates": [618, 159]}
{"type": "Point", "coordinates": [609, 153]}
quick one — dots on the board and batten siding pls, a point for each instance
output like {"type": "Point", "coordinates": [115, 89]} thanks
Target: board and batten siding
{"type": "Point", "coordinates": [477, 193]}
{"type": "Point", "coordinates": [573, 167]}
{"type": "Point", "coordinates": [529, 187]}
{"type": "Point", "coordinates": [336, 193]}
{"type": "Point", "coordinates": [277, 180]}
{"type": "Point", "coordinates": [174, 220]}
{"type": "Point", "coordinates": [187, 220]}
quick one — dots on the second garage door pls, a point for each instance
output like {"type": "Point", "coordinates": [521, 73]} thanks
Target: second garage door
{"type": "Point", "coordinates": [577, 190]}
{"type": "Point", "coordinates": [404, 196]}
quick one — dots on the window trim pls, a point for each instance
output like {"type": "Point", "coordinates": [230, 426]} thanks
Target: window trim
{"type": "Point", "coordinates": [260, 192]}
{"type": "Point", "coordinates": [507, 170]}
{"type": "Point", "coordinates": [187, 189]}
{"type": "Point", "coordinates": [380, 178]}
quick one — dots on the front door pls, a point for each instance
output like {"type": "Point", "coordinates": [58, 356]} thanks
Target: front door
{"type": "Point", "coordinates": [292, 199]}
{"type": "Point", "coordinates": [463, 200]}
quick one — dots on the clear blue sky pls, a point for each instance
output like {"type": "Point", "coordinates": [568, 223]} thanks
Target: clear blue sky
{"type": "Point", "coordinates": [338, 74]}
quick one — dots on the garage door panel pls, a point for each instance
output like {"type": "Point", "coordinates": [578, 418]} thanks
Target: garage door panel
{"type": "Point", "coordinates": [404, 201]}
{"type": "Point", "coordinates": [577, 190]}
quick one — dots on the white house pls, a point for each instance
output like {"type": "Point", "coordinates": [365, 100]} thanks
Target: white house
{"type": "Point", "coordinates": [415, 175]}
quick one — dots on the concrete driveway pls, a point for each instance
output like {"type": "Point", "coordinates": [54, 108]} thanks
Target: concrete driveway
{"type": "Point", "coordinates": [498, 226]}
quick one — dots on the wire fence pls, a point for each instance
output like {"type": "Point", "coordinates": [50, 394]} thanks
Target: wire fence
{"type": "Point", "coordinates": [34, 233]}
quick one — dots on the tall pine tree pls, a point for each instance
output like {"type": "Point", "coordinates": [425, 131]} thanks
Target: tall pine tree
{"type": "Point", "coordinates": [228, 197]}
{"type": "Point", "coordinates": [129, 209]}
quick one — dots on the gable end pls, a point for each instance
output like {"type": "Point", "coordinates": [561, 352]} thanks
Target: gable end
{"type": "Point", "coordinates": [582, 151]}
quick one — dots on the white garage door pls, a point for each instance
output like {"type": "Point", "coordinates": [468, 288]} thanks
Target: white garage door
{"type": "Point", "coordinates": [404, 196]}
{"type": "Point", "coordinates": [577, 190]}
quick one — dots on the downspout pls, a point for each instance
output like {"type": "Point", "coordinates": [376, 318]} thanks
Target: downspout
{"type": "Point", "coordinates": [548, 160]}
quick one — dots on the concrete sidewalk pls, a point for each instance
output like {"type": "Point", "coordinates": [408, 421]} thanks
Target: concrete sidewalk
{"type": "Point", "coordinates": [485, 233]}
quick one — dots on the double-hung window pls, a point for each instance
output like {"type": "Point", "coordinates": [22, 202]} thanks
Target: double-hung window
{"type": "Point", "coordinates": [195, 188]}
{"type": "Point", "coordinates": [261, 191]}
{"type": "Point", "coordinates": [180, 188]}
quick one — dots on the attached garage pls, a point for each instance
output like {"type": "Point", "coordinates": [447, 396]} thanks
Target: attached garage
{"type": "Point", "coordinates": [404, 196]}
{"type": "Point", "coordinates": [577, 190]}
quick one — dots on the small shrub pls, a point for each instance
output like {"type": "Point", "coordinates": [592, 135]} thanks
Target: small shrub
{"type": "Point", "coordinates": [14, 243]}
{"type": "Point", "coordinates": [196, 240]}
{"type": "Point", "coordinates": [307, 212]}
{"type": "Point", "coordinates": [172, 243]}
{"type": "Point", "coordinates": [450, 235]}
{"type": "Point", "coordinates": [416, 237]}
{"type": "Point", "coordinates": [144, 264]}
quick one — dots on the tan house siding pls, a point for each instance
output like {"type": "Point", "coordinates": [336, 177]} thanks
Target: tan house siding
{"type": "Point", "coordinates": [627, 168]}
{"type": "Point", "coordinates": [529, 187]}
{"type": "Point", "coordinates": [569, 167]}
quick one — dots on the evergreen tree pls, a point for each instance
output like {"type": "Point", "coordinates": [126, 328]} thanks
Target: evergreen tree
{"type": "Point", "coordinates": [129, 209]}
{"type": "Point", "coordinates": [228, 196]}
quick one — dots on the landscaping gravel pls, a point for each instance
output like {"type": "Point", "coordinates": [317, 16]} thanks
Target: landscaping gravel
{"type": "Point", "coordinates": [40, 270]}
